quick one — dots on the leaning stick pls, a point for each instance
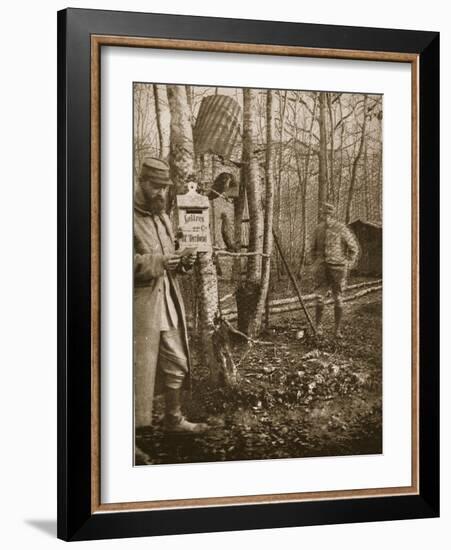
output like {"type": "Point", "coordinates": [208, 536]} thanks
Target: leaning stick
{"type": "Point", "coordinates": [294, 283]}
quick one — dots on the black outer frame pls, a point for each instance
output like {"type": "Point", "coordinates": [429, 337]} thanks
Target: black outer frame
{"type": "Point", "coordinates": [75, 520]}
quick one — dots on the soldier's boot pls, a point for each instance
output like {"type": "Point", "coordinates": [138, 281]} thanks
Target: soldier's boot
{"type": "Point", "coordinates": [319, 317]}
{"type": "Point", "coordinates": [174, 421]}
{"type": "Point", "coordinates": [338, 310]}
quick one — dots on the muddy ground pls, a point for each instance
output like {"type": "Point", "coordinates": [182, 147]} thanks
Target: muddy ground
{"type": "Point", "coordinates": [296, 397]}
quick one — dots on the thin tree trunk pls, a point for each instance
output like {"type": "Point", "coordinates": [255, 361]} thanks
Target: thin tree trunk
{"type": "Point", "coordinates": [189, 97]}
{"type": "Point", "coordinates": [255, 325]}
{"type": "Point", "coordinates": [380, 187]}
{"type": "Point", "coordinates": [138, 128]}
{"type": "Point", "coordinates": [238, 209]}
{"type": "Point", "coordinates": [331, 193]}
{"type": "Point", "coordinates": [371, 189]}
{"type": "Point", "coordinates": [156, 96]}
{"type": "Point", "coordinates": [322, 181]}
{"type": "Point", "coordinates": [365, 182]}
{"type": "Point", "coordinates": [304, 187]}
{"type": "Point", "coordinates": [247, 293]}
{"type": "Point", "coordinates": [340, 173]}
{"type": "Point", "coordinates": [253, 187]}
{"type": "Point", "coordinates": [278, 204]}
{"type": "Point", "coordinates": [293, 201]}
{"type": "Point", "coordinates": [355, 163]}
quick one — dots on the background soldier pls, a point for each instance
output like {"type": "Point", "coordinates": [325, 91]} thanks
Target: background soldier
{"type": "Point", "coordinates": [161, 353]}
{"type": "Point", "coordinates": [335, 252]}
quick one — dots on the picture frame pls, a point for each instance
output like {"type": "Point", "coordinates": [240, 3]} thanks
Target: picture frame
{"type": "Point", "coordinates": [81, 35]}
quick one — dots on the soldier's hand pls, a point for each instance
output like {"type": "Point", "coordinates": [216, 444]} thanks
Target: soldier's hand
{"type": "Point", "coordinates": [172, 262]}
{"type": "Point", "coordinates": [189, 261]}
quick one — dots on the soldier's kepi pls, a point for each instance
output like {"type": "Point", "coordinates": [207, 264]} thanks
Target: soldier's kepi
{"type": "Point", "coordinates": [335, 251]}
{"type": "Point", "coordinates": [161, 352]}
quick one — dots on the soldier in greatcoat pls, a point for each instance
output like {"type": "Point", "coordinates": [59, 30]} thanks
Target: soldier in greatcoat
{"type": "Point", "coordinates": [161, 352]}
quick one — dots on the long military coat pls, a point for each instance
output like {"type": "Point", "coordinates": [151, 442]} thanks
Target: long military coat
{"type": "Point", "coordinates": [150, 248]}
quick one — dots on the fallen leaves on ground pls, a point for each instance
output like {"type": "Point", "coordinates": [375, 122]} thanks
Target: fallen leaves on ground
{"type": "Point", "coordinates": [298, 398]}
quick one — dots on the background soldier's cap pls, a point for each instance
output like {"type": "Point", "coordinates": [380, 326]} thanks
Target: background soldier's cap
{"type": "Point", "coordinates": [156, 171]}
{"type": "Point", "coordinates": [328, 208]}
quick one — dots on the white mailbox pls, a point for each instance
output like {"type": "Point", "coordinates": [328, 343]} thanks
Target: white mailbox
{"type": "Point", "coordinates": [193, 219]}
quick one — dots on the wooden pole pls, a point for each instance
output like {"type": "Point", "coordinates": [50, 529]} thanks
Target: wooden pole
{"type": "Point", "coordinates": [295, 284]}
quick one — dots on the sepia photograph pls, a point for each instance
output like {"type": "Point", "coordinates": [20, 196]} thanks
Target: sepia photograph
{"type": "Point", "coordinates": [248, 274]}
{"type": "Point", "coordinates": [257, 262]}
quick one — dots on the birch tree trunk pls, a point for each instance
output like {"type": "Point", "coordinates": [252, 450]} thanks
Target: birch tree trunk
{"type": "Point", "coordinates": [181, 159]}
{"type": "Point", "coordinates": [248, 292]}
{"type": "Point", "coordinates": [182, 167]}
{"type": "Point", "coordinates": [255, 325]}
{"type": "Point", "coordinates": [253, 186]}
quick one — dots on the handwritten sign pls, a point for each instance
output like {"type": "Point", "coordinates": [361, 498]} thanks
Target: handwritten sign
{"type": "Point", "coordinates": [193, 221]}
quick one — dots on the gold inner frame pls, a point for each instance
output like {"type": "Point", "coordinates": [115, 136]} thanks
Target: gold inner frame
{"type": "Point", "coordinates": [97, 41]}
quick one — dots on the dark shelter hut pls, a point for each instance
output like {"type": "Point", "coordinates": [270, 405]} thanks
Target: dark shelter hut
{"type": "Point", "coordinates": [369, 235]}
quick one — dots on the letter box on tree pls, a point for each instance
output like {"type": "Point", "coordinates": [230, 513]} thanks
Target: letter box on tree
{"type": "Point", "coordinates": [193, 219]}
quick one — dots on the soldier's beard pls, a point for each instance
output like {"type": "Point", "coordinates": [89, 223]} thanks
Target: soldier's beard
{"type": "Point", "coordinates": [157, 206]}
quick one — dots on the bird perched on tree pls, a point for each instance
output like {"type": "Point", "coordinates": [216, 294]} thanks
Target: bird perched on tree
{"type": "Point", "coordinates": [222, 185]}
{"type": "Point", "coordinates": [227, 233]}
